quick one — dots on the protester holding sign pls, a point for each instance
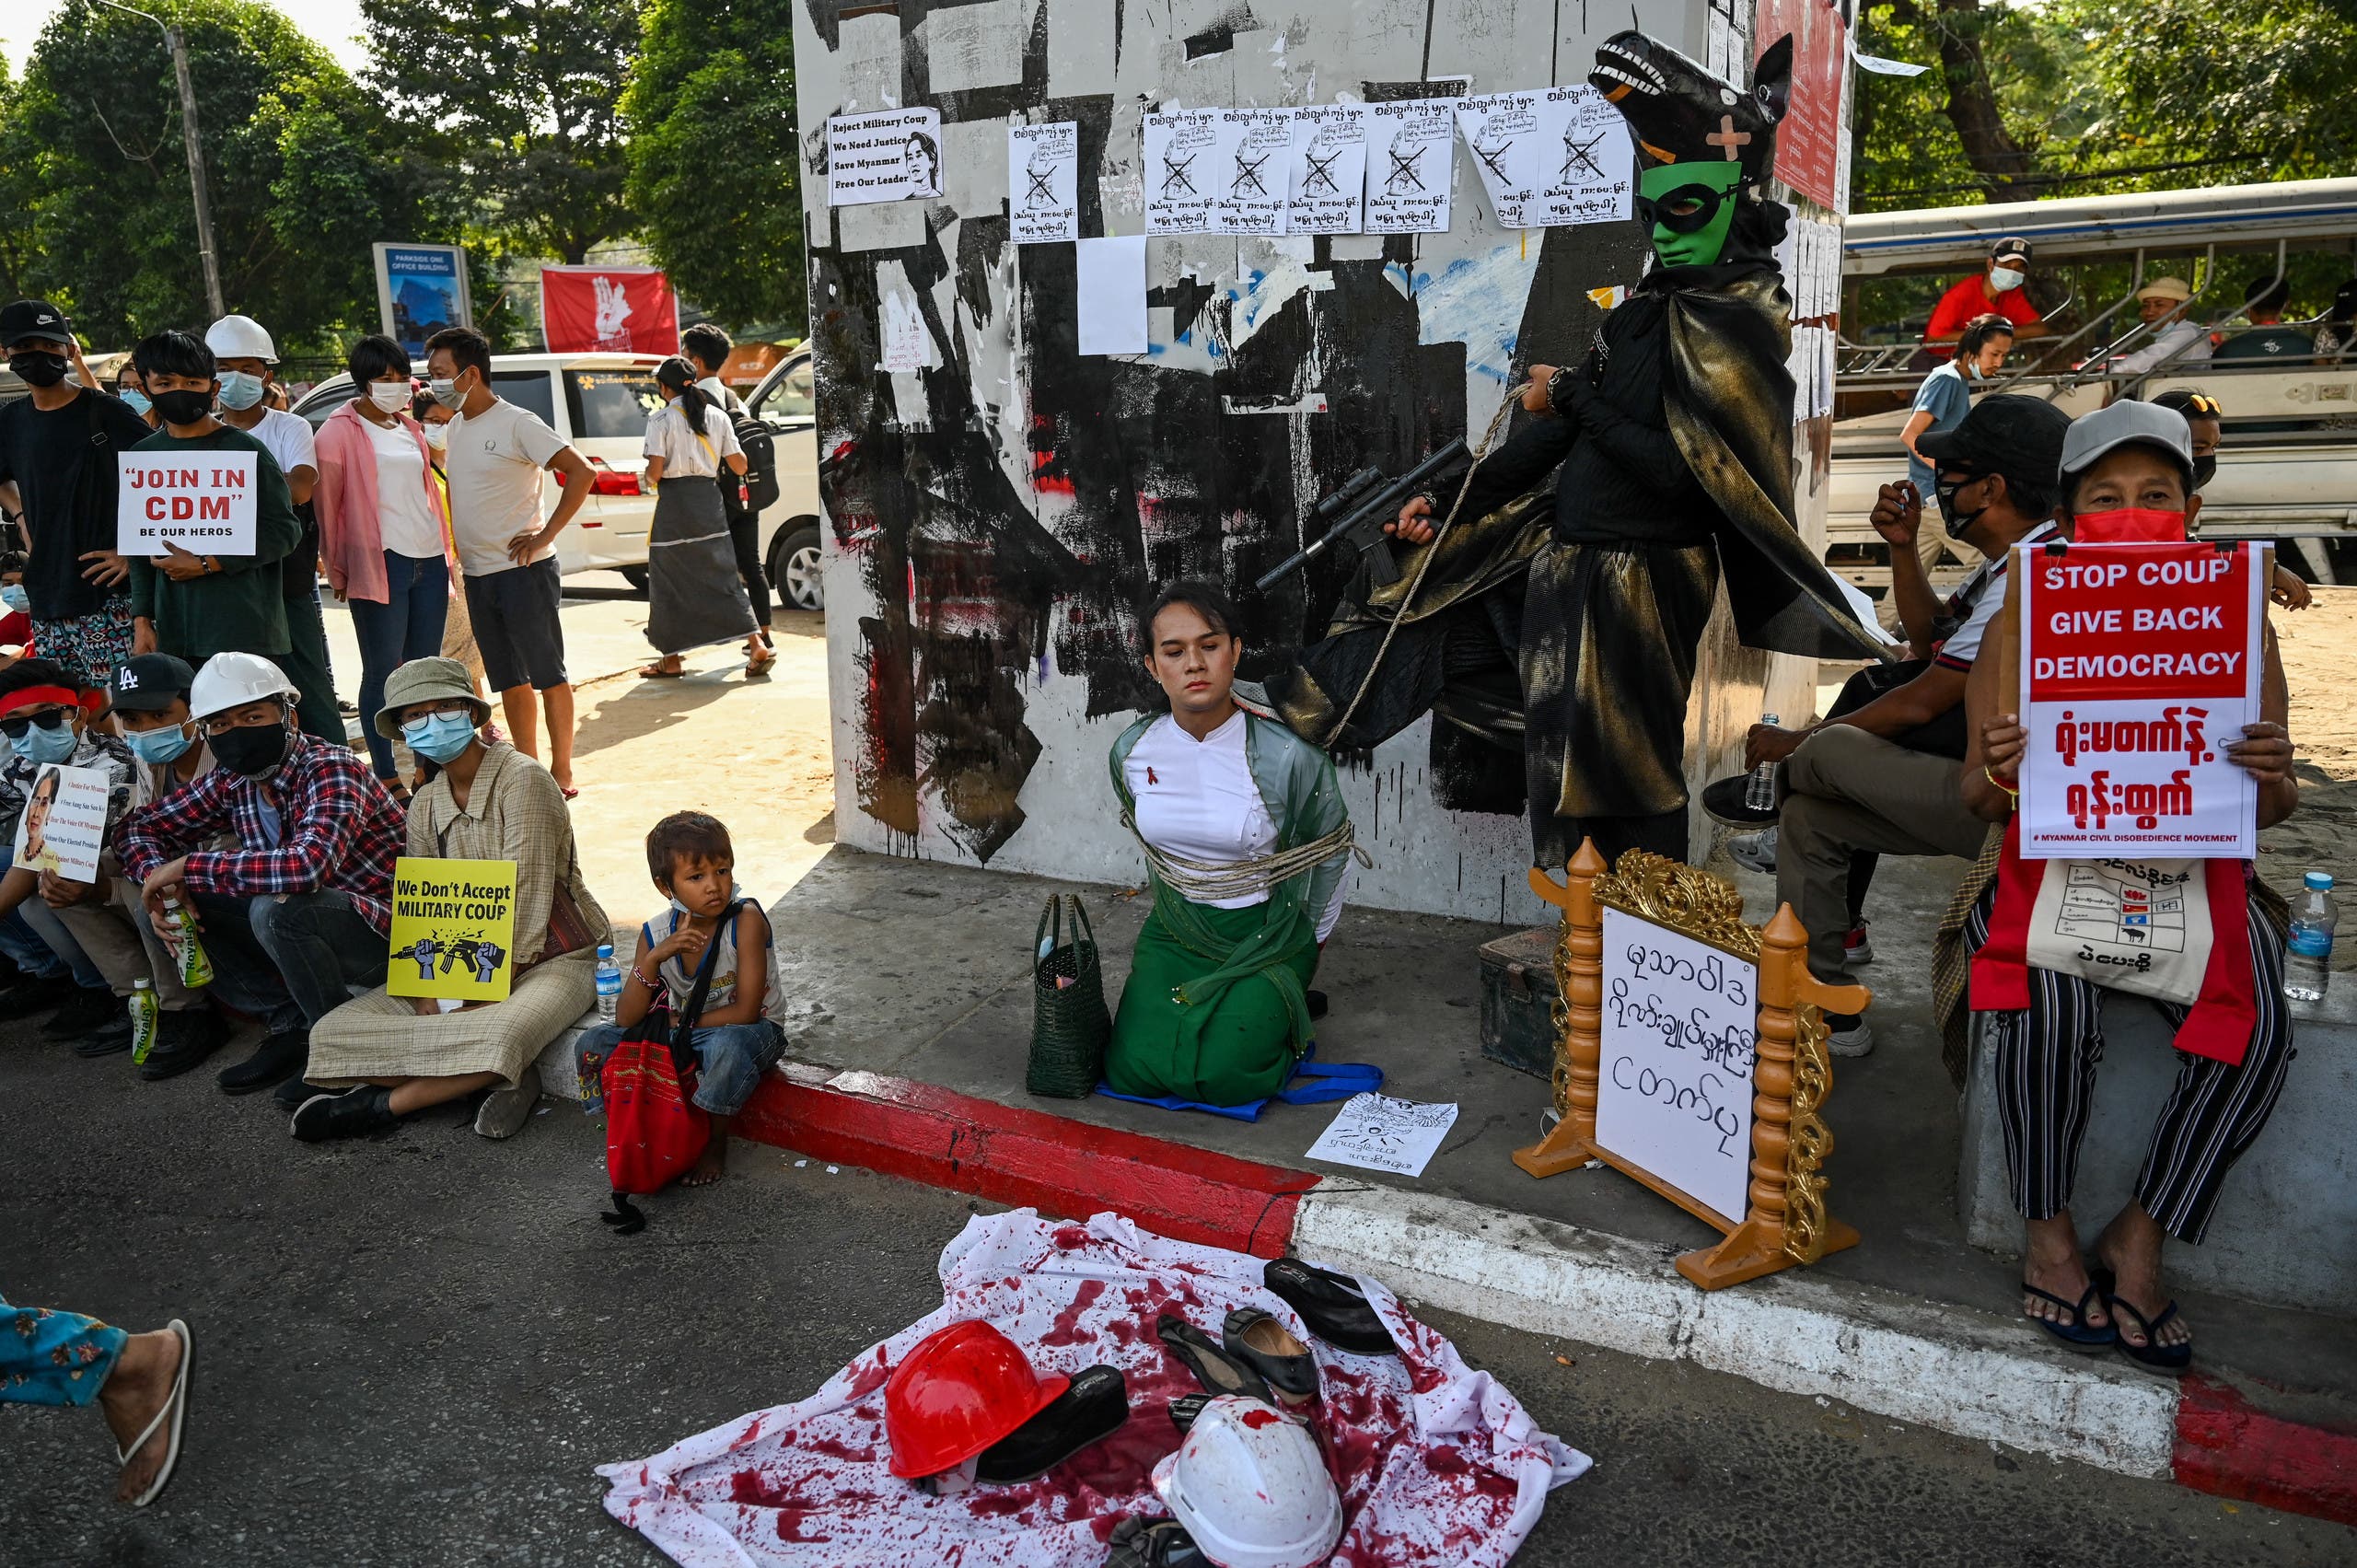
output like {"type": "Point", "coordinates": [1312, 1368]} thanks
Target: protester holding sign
{"type": "Point", "coordinates": [58, 447]}
{"type": "Point", "coordinates": [391, 1056]}
{"type": "Point", "coordinates": [195, 603]}
{"type": "Point", "coordinates": [2216, 972]}
{"type": "Point", "coordinates": [296, 915]}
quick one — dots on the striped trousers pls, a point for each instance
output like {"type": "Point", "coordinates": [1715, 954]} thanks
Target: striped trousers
{"type": "Point", "coordinates": [2046, 1079]}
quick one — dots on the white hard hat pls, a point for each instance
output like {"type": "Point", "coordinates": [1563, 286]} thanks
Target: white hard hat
{"type": "Point", "coordinates": [240, 337]}
{"type": "Point", "coordinates": [1252, 1488]}
{"type": "Point", "coordinates": [231, 680]}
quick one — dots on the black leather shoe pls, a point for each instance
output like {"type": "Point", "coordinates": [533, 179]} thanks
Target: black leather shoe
{"type": "Point", "coordinates": [276, 1059]}
{"type": "Point", "coordinates": [1331, 1305]}
{"type": "Point", "coordinates": [108, 1042]}
{"type": "Point", "coordinates": [39, 995]}
{"type": "Point", "coordinates": [89, 1010]}
{"type": "Point", "coordinates": [347, 1115]}
{"type": "Point", "coordinates": [1090, 1411]}
{"type": "Point", "coordinates": [1217, 1371]}
{"type": "Point", "coordinates": [183, 1040]}
{"type": "Point", "coordinates": [1268, 1348]}
{"type": "Point", "coordinates": [294, 1091]}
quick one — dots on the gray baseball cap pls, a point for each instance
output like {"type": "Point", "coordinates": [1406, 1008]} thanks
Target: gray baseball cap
{"type": "Point", "coordinates": [2093, 435]}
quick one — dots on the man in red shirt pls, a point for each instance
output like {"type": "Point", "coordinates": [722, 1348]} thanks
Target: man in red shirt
{"type": "Point", "coordinates": [1997, 290]}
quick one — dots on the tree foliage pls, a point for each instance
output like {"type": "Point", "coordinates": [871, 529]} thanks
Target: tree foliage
{"type": "Point", "coordinates": [713, 165]}
{"type": "Point", "coordinates": [95, 170]}
{"type": "Point", "coordinates": [514, 104]}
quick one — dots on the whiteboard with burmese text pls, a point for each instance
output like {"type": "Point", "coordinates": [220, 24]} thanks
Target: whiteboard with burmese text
{"type": "Point", "coordinates": [1681, 1040]}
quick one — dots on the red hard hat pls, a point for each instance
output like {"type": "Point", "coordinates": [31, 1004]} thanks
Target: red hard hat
{"type": "Point", "coordinates": [961, 1389]}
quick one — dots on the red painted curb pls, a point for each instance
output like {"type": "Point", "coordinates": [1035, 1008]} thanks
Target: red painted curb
{"type": "Point", "coordinates": [1023, 1158]}
{"type": "Point", "coordinates": [2228, 1446]}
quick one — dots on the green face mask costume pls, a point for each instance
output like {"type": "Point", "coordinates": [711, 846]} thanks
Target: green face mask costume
{"type": "Point", "coordinates": [1688, 208]}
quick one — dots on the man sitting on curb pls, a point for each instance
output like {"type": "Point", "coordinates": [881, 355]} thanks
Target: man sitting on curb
{"type": "Point", "coordinates": [299, 914]}
{"type": "Point", "coordinates": [150, 695]}
{"type": "Point", "coordinates": [1879, 776]}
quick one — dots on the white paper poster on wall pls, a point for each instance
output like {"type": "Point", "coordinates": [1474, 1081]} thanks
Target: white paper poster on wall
{"type": "Point", "coordinates": [1327, 177]}
{"type": "Point", "coordinates": [1407, 166]}
{"type": "Point", "coordinates": [1043, 182]}
{"type": "Point", "coordinates": [893, 154]}
{"type": "Point", "coordinates": [1504, 134]}
{"type": "Point", "coordinates": [1587, 170]}
{"type": "Point", "coordinates": [1181, 170]}
{"type": "Point", "coordinates": [1111, 288]}
{"type": "Point", "coordinates": [1254, 145]}
{"type": "Point", "coordinates": [1680, 1037]}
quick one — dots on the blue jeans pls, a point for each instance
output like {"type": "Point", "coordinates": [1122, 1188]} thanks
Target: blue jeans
{"type": "Point", "coordinates": [33, 935]}
{"type": "Point", "coordinates": [48, 1357]}
{"type": "Point", "coordinates": [407, 626]}
{"type": "Point", "coordinates": [289, 959]}
{"type": "Point", "coordinates": [730, 1060]}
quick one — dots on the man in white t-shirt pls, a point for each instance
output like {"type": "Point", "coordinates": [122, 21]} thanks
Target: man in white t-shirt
{"type": "Point", "coordinates": [493, 457]}
{"type": "Point", "coordinates": [248, 365]}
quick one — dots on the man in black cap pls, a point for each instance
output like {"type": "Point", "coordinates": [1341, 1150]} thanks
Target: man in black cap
{"type": "Point", "coordinates": [150, 698]}
{"type": "Point", "coordinates": [1995, 290]}
{"type": "Point", "coordinates": [1880, 777]}
{"type": "Point", "coordinates": [57, 472]}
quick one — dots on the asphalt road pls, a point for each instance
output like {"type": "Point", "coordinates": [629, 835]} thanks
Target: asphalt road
{"type": "Point", "coordinates": [413, 1350]}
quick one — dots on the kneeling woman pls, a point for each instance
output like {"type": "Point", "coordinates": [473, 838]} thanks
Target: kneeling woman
{"type": "Point", "coordinates": [1248, 842]}
{"type": "Point", "coordinates": [396, 1055]}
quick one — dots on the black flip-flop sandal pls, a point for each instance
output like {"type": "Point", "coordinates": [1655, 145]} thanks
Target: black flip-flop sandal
{"type": "Point", "coordinates": [1270, 1349]}
{"type": "Point", "coordinates": [1214, 1367]}
{"type": "Point", "coordinates": [2160, 1360]}
{"type": "Point", "coordinates": [2077, 1334]}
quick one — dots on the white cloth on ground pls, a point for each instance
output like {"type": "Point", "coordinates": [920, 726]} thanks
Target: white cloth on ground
{"type": "Point", "coordinates": [1439, 1465]}
{"type": "Point", "coordinates": [1197, 799]}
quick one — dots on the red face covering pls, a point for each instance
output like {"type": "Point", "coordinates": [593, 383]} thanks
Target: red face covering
{"type": "Point", "coordinates": [2129, 524]}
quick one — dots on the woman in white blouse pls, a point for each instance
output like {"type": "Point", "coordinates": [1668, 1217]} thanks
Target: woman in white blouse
{"type": "Point", "coordinates": [694, 595]}
{"type": "Point", "coordinates": [382, 534]}
{"type": "Point", "coordinates": [1247, 842]}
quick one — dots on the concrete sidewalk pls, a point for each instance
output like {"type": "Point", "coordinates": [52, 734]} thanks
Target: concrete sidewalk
{"type": "Point", "coordinates": [910, 1015]}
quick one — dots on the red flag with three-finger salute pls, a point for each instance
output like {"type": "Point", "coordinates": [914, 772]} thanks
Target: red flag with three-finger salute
{"type": "Point", "coordinates": [608, 310]}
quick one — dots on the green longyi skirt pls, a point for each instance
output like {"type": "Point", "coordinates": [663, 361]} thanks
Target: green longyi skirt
{"type": "Point", "coordinates": [1233, 1050]}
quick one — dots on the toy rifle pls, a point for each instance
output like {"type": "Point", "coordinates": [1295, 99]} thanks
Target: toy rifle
{"type": "Point", "coordinates": [1365, 503]}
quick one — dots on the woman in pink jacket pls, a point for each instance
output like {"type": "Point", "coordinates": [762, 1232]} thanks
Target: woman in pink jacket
{"type": "Point", "coordinates": [382, 535]}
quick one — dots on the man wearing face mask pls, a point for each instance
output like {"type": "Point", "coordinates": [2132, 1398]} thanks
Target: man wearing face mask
{"type": "Point", "coordinates": [47, 716]}
{"type": "Point", "coordinates": [1996, 291]}
{"type": "Point", "coordinates": [1879, 776]}
{"type": "Point", "coordinates": [196, 605]}
{"type": "Point", "coordinates": [150, 698]}
{"type": "Point", "coordinates": [298, 912]}
{"type": "Point", "coordinates": [58, 448]}
{"type": "Point", "coordinates": [247, 361]}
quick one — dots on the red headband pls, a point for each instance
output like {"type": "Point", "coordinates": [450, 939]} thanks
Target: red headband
{"type": "Point", "coordinates": [34, 696]}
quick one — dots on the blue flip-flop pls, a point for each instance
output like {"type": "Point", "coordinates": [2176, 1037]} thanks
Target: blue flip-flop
{"type": "Point", "coordinates": [2160, 1360]}
{"type": "Point", "coordinates": [2077, 1334]}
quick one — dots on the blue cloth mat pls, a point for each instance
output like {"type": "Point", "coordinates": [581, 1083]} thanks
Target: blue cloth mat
{"type": "Point", "coordinates": [1311, 1083]}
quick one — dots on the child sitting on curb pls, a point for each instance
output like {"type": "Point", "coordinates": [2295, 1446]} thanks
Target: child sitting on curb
{"type": "Point", "coordinates": [691, 860]}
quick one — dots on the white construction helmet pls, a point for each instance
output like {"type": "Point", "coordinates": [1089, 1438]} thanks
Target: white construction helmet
{"type": "Point", "coordinates": [231, 680]}
{"type": "Point", "coordinates": [240, 337]}
{"type": "Point", "coordinates": [1252, 1488]}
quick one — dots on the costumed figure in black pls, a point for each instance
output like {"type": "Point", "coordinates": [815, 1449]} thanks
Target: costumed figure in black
{"type": "Point", "coordinates": [1669, 454]}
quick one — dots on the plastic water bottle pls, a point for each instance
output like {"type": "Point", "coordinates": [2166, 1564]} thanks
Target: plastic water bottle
{"type": "Point", "coordinates": [2307, 958]}
{"type": "Point", "coordinates": [609, 983]}
{"type": "Point", "coordinates": [146, 1018]}
{"type": "Point", "coordinates": [196, 968]}
{"type": "Point", "coordinates": [1759, 794]}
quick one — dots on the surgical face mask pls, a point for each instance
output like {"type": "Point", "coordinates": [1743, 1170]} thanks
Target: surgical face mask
{"type": "Point", "coordinates": [159, 747]}
{"type": "Point", "coordinates": [391, 396]}
{"type": "Point", "coordinates": [446, 393]}
{"type": "Point", "coordinates": [38, 368]}
{"type": "Point", "coordinates": [182, 408]}
{"type": "Point", "coordinates": [135, 399]}
{"type": "Point", "coordinates": [16, 598]}
{"type": "Point", "coordinates": [253, 751]}
{"type": "Point", "coordinates": [439, 737]}
{"type": "Point", "coordinates": [240, 389]}
{"type": "Point", "coordinates": [2129, 524]}
{"type": "Point", "coordinates": [44, 744]}
{"type": "Point", "coordinates": [2004, 280]}
{"type": "Point", "coordinates": [436, 437]}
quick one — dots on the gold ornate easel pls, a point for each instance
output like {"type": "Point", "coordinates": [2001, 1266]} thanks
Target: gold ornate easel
{"type": "Point", "coordinates": [1786, 1222]}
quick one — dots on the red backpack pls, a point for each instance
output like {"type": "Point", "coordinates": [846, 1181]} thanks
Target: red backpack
{"type": "Point", "coordinates": [654, 1129]}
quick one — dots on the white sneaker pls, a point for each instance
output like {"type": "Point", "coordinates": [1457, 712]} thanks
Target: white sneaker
{"type": "Point", "coordinates": [1756, 852]}
{"type": "Point", "coordinates": [503, 1112]}
{"type": "Point", "coordinates": [1848, 1034]}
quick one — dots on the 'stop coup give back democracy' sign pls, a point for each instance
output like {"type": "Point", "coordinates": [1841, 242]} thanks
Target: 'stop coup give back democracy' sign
{"type": "Point", "coordinates": [2139, 664]}
{"type": "Point", "coordinates": [203, 502]}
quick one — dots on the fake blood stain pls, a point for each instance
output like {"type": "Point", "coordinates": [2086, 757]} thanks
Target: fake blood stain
{"type": "Point", "coordinates": [1066, 1329]}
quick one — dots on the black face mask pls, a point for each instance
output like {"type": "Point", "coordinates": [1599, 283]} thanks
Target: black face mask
{"type": "Point", "coordinates": [2204, 469]}
{"type": "Point", "coordinates": [182, 408]}
{"type": "Point", "coordinates": [1956, 521]}
{"type": "Point", "coordinates": [253, 751]}
{"type": "Point", "coordinates": [37, 368]}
